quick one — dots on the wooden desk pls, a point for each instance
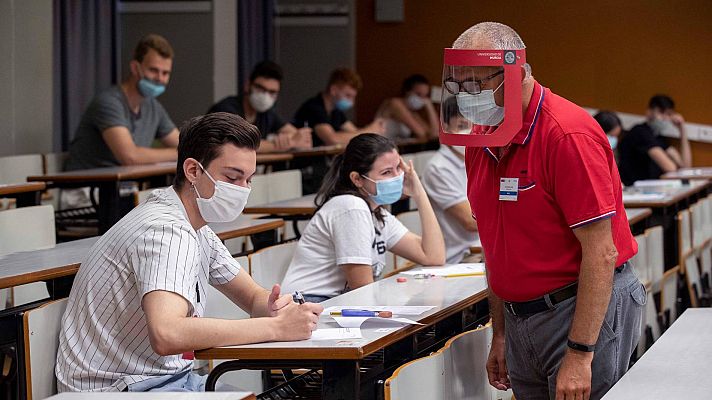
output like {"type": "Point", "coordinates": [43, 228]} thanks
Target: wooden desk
{"type": "Point", "coordinates": [676, 366]}
{"type": "Point", "coordinates": [319, 151]}
{"type": "Point", "coordinates": [379, 352]}
{"type": "Point", "coordinates": [41, 265]}
{"type": "Point", "coordinates": [26, 193]}
{"type": "Point", "coordinates": [414, 145]}
{"type": "Point", "coordinates": [155, 396]}
{"type": "Point", "coordinates": [302, 206]}
{"type": "Point", "coordinates": [637, 219]}
{"type": "Point", "coordinates": [690, 173]}
{"type": "Point", "coordinates": [665, 208]}
{"type": "Point", "coordinates": [245, 226]}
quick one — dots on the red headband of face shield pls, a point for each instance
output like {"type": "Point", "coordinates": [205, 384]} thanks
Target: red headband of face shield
{"type": "Point", "coordinates": [481, 97]}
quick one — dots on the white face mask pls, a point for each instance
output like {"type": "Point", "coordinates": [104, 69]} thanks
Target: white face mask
{"type": "Point", "coordinates": [227, 202]}
{"type": "Point", "coordinates": [664, 127]}
{"type": "Point", "coordinates": [261, 101]}
{"type": "Point", "coordinates": [481, 108]}
{"type": "Point", "coordinates": [414, 102]}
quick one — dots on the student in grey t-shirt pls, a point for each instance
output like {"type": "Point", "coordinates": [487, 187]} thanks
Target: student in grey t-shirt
{"type": "Point", "coordinates": [121, 122]}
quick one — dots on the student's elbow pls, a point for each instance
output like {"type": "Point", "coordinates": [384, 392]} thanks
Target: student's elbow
{"type": "Point", "coordinates": [435, 257]}
{"type": "Point", "coordinates": [164, 341]}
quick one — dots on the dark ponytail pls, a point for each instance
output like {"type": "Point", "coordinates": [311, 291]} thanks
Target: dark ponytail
{"type": "Point", "coordinates": [358, 156]}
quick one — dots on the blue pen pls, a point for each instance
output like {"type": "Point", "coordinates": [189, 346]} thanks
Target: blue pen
{"type": "Point", "coordinates": [362, 313]}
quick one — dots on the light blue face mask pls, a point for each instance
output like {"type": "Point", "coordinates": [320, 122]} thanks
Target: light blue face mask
{"type": "Point", "coordinates": [388, 191]}
{"type": "Point", "coordinates": [148, 88]}
{"type": "Point", "coordinates": [613, 140]}
{"type": "Point", "coordinates": [344, 104]}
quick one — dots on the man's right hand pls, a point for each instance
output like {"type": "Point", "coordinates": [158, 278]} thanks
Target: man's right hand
{"type": "Point", "coordinates": [297, 321]}
{"type": "Point", "coordinates": [497, 365]}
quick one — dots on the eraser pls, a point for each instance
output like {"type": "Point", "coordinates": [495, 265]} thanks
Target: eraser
{"type": "Point", "coordinates": [401, 280]}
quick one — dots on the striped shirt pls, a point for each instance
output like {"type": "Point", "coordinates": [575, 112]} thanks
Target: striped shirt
{"type": "Point", "coordinates": [104, 343]}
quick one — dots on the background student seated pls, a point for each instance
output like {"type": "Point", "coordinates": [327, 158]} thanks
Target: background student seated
{"type": "Point", "coordinates": [120, 124]}
{"type": "Point", "coordinates": [411, 114]}
{"type": "Point", "coordinates": [643, 151]}
{"type": "Point", "coordinates": [326, 112]}
{"type": "Point", "coordinates": [131, 310]}
{"type": "Point", "coordinates": [256, 105]}
{"type": "Point", "coordinates": [345, 243]}
{"type": "Point", "coordinates": [445, 181]}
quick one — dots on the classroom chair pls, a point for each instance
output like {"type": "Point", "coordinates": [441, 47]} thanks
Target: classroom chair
{"type": "Point", "coordinates": [694, 282]}
{"type": "Point", "coordinates": [42, 326]}
{"type": "Point", "coordinates": [286, 185]}
{"type": "Point", "coordinates": [640, 260]}
{"type": "Point", "coordinates": [52, 164]}
{"type": "Point", "coordinates": [269, 265]}
{"type": "Point", "coordinates": [423, 378]}
{"type": "Point", "coordinates": [411, 220]}
{"type": "Point", "coordinates": [25, 229]}
{"type": "Point", "coordinates": [684, 237]}
{"type": "Point", "coordinates": [652, 320]}
{"type": "Point", "coordinates": [668, 296]}
{"type": "Point", "coordinates": [656, 257]}
{"type": "Point", "coordinates": [16, 169]}
{"type": "Point", "coordinates": [217, 305]}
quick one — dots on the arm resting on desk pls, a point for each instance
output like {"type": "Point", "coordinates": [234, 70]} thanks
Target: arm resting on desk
{"type": "Point", "coordinates": [122, 146]}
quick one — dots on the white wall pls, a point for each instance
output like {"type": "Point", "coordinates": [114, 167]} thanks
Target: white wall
{"type": "Point", "coordinates": [25, 76]}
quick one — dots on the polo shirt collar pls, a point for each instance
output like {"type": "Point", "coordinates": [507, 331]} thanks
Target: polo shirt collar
{"type": "Point", "coordinates": [530, 118]}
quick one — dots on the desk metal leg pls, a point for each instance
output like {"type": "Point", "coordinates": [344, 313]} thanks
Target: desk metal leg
{"type": "Point", "coordinates": [341, 380]}
{"type": "Point", "coordinates": [108, 211]}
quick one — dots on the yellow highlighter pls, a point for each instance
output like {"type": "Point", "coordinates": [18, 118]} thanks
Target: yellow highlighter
{"type": "Point", "coordinates": [465, 274]}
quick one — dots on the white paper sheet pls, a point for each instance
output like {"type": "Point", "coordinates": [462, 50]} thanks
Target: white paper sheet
{"type": "Point", "coordinates": [667, 183]}
{"type": "Point", "coordinates": [336, 333]}
{"type": "Point", "coordinates": [643, 196]}
{"type": "Point", "coordinates": [454, 269]}
{"type": "Point", "coordinates": [396, 310]}
{"type": "Point", "coordinates": [356, 322]}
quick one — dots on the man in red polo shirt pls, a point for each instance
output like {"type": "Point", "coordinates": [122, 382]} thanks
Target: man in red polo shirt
{"type": "Point", "coordinates": [566, 305]}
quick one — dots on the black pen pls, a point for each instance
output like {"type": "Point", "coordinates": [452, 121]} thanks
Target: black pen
{"type": "Point", "coordinates": [298, 297]}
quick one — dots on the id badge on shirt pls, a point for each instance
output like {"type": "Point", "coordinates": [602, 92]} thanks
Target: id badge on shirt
{"type": "Point", "coordinates": [508, 189]}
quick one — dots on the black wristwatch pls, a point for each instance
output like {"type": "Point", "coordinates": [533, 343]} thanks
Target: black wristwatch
{"type": "Point", "coordinates": [580, 346]}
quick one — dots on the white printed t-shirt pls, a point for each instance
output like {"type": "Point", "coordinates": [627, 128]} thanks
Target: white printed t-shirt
{"type": "Point", "coordinates": [104, 343]}
{"type": "Point", "coordinates": [343, 231]}
{"type": "Point", "coordinates": [445, 181]}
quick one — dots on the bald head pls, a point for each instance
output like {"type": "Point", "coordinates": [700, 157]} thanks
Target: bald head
{"type": "Point", "coordinates": [491, 36]}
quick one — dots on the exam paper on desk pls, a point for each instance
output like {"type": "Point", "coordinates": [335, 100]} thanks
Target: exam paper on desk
{"type": "Point", "coordinates": [356, 322]}
{"type": "Point", "coordinates": [337, 333]}
{"type": "Point", "coordinates": [454, 269]}
{"type": "Point", "coordinates": [396, 310]}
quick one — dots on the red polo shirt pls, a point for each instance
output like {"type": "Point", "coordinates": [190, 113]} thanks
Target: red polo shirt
{"type": "Point", "coordinates": [567, 178]}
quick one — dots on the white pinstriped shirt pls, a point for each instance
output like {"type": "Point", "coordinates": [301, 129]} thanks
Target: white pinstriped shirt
{"type": "Point", "coordinates": [104, 343]}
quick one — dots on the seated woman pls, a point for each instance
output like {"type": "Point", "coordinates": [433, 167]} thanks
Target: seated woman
{"type": "Point", "coordinates": [344, 246]}
{"type": "Point", "coordinates": [412, 114]}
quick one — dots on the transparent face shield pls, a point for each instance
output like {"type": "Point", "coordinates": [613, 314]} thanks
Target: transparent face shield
{"type": "Point", "coordinates": [481, 97]}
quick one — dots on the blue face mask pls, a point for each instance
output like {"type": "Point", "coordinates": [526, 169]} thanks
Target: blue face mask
{"type": "Point", "coordinates": [343, 104]}
{"type": "Point", "coordinates": [148, 88]}
{"type": "Point", "coordinates": [613, 140]}
{"type": "Point", "coordinates": [388, 191]}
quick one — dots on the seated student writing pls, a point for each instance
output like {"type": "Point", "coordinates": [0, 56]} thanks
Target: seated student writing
{"type": "Point", "coordinates": [133, 306]}
{"type": "Point", "coordinates": [344, 245]}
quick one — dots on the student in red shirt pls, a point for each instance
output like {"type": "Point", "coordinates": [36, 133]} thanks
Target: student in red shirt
{"type": "Point", "coordinates": [565, 303]}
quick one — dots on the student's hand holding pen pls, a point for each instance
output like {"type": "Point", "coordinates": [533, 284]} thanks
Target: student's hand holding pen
{"type": "Point", "coordinates": [276, 302]}
{"type": "Point", "coordinates": [296, 321]}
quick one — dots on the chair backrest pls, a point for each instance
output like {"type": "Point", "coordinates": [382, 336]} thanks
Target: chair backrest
{"type": "Point", "coordinates": [54, 162]}
{"type": "Point", "coordinates": [42, 326]}
{"type": "Point", "coordinates": [692, 277]}
{"type": "Point", "coordinates": [284, 185]}
{"type": "Point", "coordinates": [26, 228]}
{"type": "Point", "coordinates": [668, 295]}
{"type": "Point", "coordinates": [684, 234]}
{"type": "Point", "coordinates": [651, 318]}
{"type": "Point", "coordinates": [269, 265]}
{"type": "Point", "coordinates": [16, 169]}
{"type": "Point", "coordinates": [217, 305]}
{"type": "Point", "coordinates": [707, 216]}
{"type": "Point", "coordinates": [640, 260]}
{"type": "Point", "coordinates": [411, 220]}
{"type": "Point", "coordinates": [423, 378]}
{"type": "Point", "coordinates": [656, 257]}
{"type": "Point", "coordinates": [260, 190]}
{"type": "Point", "coordinates": [422, 159]}
{"type": "Point", "coordinates": [697, 221]}
{"type": "Point", "coordinates": [465, 360]}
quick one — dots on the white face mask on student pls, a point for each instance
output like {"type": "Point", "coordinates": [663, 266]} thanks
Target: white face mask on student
{"type": "Point", "coordinates": [227, 202]}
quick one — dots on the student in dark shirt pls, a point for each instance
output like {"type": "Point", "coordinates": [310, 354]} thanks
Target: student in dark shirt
{"type": "Point", "coordinates": [325, 112]}
{"type": "Point", "coordinates": [643, 152]}
{"type": "Point", "coordinates": [256, 105]}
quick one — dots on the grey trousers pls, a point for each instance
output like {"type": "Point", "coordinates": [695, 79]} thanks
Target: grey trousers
{"type": "Point", "coordinates": [536, 344]}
